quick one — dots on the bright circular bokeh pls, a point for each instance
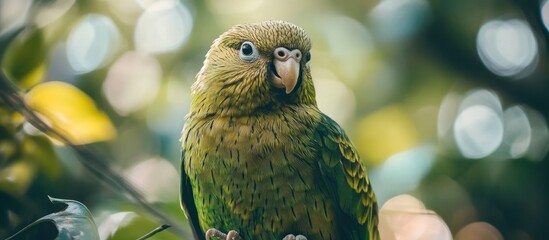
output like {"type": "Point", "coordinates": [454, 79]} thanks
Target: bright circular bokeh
{"type": "Point", "coordinates": [163, 27]}
{"type": "Point", "coordinates": [91, 43]}
{"type": "Point", "coordinates": [518, 132]}
{"type": "Point", "coordinates": [133, 81]}
{"type": "Point", "coordinates": [479, 231]}
{"type": "Point", "coordinates": [537, 148]}
{"type": "Point", "coordinates": [508, 48]}
{"type": "Point", "coordinates": [545, 13]}
{"type": "Point", "coordinates": [478, 131]}
{"type": "Point", "coordinates": [405, 217]}
{"type": "Point", "coordinates": [478, 127]}
{"type": "Point", "coordinates": [334, 98]}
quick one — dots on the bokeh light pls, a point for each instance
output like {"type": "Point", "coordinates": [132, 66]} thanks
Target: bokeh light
{"type": "Point", "coordinates": [52, 11]}
{"type": "Point", "coordinates": [478, 131]}
{"type": "Point", "coordinates": [132, 82]}
{"type": "Point", "coordinates": [517, 131]}
{"type": "Point", "coordinates": [402, 172]}
{"type": "Point", "coordinates": [386, 132]}
{"type": "Point", "coordinates": [538, 147]}
{"type": "Point", "coordinates": [334, 98]}
{"type": "Point", "coordinates": [13, 13]}
{"type": "Point", "coordinates": [127, 11]}
{"type": "Point", "coordinates": [167, 115]}
{"type": "Point", "coordinates": [545, 13]}
{"type": "Point", "coordinates": [404, 217]}
{"type": "Point", "coordinates": [479, 231]}
{"type": "Point", "coordinates": [92, 42]}
{"type": "Point", "coordinates": [481, 128]}
{"type": "Point", "coordinates": [349, 46]}
{"type": "Point", "coordinates": [233, 7]}
{"type": "Point", "coordinates": [399, 19]}
{"type": "Point", "coordinates": [447, 114]}
{"type": "Point", "coordinates": [164, 26]}
{"type": "Point", "coordinates": [155, 178]}
{"type": "Point", "coordinates": [480, 96]}
{"type": "Point", "coordinates": [478, 128]}
{"type": "Point", "coordinates": [507, 47]}
{"type": "Point", "coordinates": [381, 69]}
{"type": "Point", "coordinates": [60, 67]}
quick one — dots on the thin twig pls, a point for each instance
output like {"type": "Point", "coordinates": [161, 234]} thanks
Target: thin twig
{"type": "Point", "coordinates": [154, 232]}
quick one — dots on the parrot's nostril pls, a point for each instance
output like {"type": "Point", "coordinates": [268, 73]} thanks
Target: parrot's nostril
{"type": "Point", "coordinates": [296, 54]}
{"type": "Point", "coordinates": [282, 53]}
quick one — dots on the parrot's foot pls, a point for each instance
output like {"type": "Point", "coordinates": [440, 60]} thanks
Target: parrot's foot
{"type": "Point", "coordinates": [293, 237]}
{"type": "Point", "coordinates": [212, 232]}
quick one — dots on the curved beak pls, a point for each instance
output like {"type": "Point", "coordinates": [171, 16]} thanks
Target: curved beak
{"type": "Point", "coordinates": [286, 68]}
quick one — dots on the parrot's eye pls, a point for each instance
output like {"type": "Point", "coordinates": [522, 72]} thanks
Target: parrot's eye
{"type": "Point", "coordinates": [248, 52]}
{"type": "Point", "coordinates": [308, 57]}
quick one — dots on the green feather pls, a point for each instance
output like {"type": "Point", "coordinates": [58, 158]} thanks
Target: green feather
{"type": "Point", "coordinates": [350, 180]}
{"type": "Point", "coordinates": [263, 162]}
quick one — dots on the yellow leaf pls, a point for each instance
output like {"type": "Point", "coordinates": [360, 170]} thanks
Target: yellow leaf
{"type": "Point", "coordinates": [70, 112]}
{"type": "Point", "coordinates": [386, 132]}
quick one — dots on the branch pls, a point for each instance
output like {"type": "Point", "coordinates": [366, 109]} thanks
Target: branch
{"type": "Point", "coordinates": [154, 232]}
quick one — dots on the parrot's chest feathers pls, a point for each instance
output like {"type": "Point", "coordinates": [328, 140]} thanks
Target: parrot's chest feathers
{"type": "Point", "coordinates": [250, 140]}
{"type": "Point", "coordinates": [249, 145]}
{"type": "Point", "coordinates": [256, 169]}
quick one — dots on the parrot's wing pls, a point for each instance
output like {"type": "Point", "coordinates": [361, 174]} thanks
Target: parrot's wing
{"type": "Point", "coordinates": [347, 182]}
{"type": "Point", "coordinates": [187, 202]}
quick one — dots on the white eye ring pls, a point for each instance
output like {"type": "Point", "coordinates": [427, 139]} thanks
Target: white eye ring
{"type": "Point", "coordinates": [248, 52]}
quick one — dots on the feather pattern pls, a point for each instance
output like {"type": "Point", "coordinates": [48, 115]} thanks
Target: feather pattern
{"type": "Point", "coordinates": [263, 162]}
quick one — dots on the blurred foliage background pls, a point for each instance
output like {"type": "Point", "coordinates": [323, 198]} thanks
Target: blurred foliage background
{"type": "Point", "coordinates": [446, 101]}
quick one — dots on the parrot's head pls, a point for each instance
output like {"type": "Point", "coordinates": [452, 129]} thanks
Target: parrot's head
{"type": "Point", "coordinates": [255, 66]}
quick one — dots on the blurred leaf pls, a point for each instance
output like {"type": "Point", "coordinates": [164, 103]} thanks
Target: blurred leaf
{"type": "Point", "coordinates": [113, 222]}
{"type": "Point", "coordinates": [39, 150]}
{"type": "Point", "coordinates": [34, 77]}
{"type": "Point", "coordinates": [71, 112]}
{"type": "Point", "coordinates": [24, 60]}
{"type": "Point", "coordinates": [16, 178]}
{"type": "Point", "coordinates": [75, 222]}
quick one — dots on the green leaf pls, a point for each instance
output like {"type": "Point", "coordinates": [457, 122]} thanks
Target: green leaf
{"type": "Point", "coordinates": [75, 222]}
{"type": "Point", "coordinates": [39, 151]}
{"type": "Point", "coordinates": [25, 57]}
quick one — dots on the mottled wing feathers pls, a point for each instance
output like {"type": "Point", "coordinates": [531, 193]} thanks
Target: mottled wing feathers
{"type": "Point", "coordinates": [187, 202]}
{"type": "Point", "coordinates": [348, 182]}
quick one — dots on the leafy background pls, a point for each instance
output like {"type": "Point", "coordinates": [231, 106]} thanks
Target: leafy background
{"type": "Point", "coordinates": [445, 100]}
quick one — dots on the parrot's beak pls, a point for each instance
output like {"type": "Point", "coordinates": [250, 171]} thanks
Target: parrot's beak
{"type": "Point", "coordinates": [286, 68]}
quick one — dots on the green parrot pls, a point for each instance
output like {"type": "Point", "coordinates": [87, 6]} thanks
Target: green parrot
{"type": "Point", "coordinates": [259, 157]}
